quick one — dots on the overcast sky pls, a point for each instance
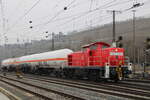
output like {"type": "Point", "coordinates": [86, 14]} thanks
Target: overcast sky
{"type": "Point", "coordinates": [49, 15]}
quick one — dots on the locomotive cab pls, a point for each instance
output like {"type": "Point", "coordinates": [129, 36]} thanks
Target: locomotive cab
{"type": "Point", "coordinates": [111, 60]}
{"type": "Point", "coordinates": [115, 59]}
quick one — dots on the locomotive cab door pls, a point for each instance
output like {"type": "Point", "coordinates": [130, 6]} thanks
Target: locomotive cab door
{"type": "Point", "coordinates": [92, 55]}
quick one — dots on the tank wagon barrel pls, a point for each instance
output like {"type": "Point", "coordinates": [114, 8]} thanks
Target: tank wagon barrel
{"type": "Point", "coordinates": [39, 62]}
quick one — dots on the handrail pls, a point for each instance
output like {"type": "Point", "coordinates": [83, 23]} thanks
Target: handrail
{"type": "Point", "coordinates": [96, 60]}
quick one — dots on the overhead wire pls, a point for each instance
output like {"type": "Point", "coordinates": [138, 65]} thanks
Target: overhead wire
{"type": "Point", "coordinates": [54, 18]}
{"type": "Point", "coordinates": [59, 19]}
{"type": "Point", "coordinates": [84, 13]}
{"type": "Point", "coordinates": [72, 19]}
{"type": "Point", "coordinates": [44, 16]}
{"type": "Point", "coordinates": [141, 4]}
{"type": "Point", "coordinates": [107, 5]}
{"type": "Point", "coordinates": [54, 7]}
{"type": "Point", "coordinates": [58, 13]}
{"type": "Point", "coordinates": [61, 11]}
{"type": "Point", "coordinates": [20, 18]}
{"type": "Point", "coordinates": [102, 7]}
{"type": "Point", "coordinates": [93, 24]}
{"type": "Point", "coordinates": [64, 18]}
{"type": "Point", "coordinates": [71, 6]}
{"type": "Point", "coordinates": [90, 11]}
{"type": "Point", "coordinates": [50, 19]}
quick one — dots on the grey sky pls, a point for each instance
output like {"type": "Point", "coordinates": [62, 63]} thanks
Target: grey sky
{"type": "Point", "coordinates": [48, 15]}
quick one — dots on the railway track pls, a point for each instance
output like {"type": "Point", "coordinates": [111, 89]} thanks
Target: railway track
{"type": "Point", "coordinates": [123, 84]}
{"type": "Point", "coordinates": [115, 89]}
{"type": "Point", "coordinates": [137, 80]}
{"type": "Point", "coordinates": [44, 93]}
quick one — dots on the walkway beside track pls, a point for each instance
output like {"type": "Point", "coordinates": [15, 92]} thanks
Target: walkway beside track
{"type": "Point", "coordinates": [3, 97]}
{"type": "Point", "coordinates": [6, 95]}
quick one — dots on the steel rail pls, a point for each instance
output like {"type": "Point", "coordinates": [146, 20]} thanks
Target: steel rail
{"type": "Point", "coordinates": [21, 88]}
{"type": "Point", "coordinates": [102, 89]}
{"type": "Point", "coordinates": [36, 86]}
{"type": "Point", "coordinates": [87, 83]}
{"type": "Point", "coordinates": [137, 80]}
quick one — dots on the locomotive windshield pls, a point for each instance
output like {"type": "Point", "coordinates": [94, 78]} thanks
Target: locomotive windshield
{"type": "Point", "coordinates": [93, 47]}
{"type": "Point", "coordinates": [104, 46]}
{"type": "Point", "coordinates": [116, 53]}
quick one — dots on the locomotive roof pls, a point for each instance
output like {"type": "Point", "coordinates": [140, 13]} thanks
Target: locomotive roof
{"type": "Point", "coordinates": [101, 43]}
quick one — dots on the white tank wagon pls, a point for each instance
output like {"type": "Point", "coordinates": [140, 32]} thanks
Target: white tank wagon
{"type": "Point", "coordinates": [47, 58]}
{"type": "Point", "coordinates": [44, 61]}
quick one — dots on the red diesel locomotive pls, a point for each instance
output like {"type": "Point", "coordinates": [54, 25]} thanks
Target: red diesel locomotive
{"type": "Point", "coordinates": [96, 61]}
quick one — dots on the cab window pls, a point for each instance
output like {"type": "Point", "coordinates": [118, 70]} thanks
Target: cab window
{"type": "Point", "coordinates": [93, 47]}
{"type": "Point", "coordinates": [104, 46]}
